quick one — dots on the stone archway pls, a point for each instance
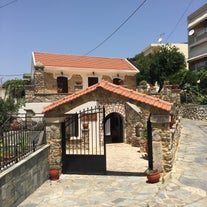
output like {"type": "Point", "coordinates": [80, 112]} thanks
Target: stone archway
{"type": "Point", "coordinates": [114, 98]}
{"type": "Point", "coordinates": [114, 128]}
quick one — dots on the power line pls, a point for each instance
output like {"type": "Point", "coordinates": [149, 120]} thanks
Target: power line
{"type": "Point", "coordinates": [118, 28]}
{"type": "Point", "coordinates": [7, 4]}
{"type": "Point", "coordinates": [11, 75]}
{"type": "Point", "coordinates": [179, 20]}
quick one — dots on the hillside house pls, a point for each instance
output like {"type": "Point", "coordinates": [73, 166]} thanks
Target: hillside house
{"type": "Point", "coordinates": [67, 86]}
{"type": "Point", "coordinates": [55, 75]}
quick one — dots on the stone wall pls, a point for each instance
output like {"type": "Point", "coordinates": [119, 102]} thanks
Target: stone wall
{"type": "Point", "coordinates": [32, 97]}
{"type": "Point", "coordinates": [194, 112]}
{"type": "Point", "coordinates": [134, 117]}
{"type": "Point", "coordinates": [168, 93]}
{"type": "Point", "coordinates": [135, 127]}
{"type": "Point", "coordinates": [44, 84]}
{"type": "Point", "coordinates": [53, 133]}
{"type": "Point", "coordinates": [165, 143]}
{"type": "Point", "coordinates": [23, 178]}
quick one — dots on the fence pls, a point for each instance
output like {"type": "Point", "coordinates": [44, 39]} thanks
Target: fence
{"type": "Point", "coordinates": [20, 136]}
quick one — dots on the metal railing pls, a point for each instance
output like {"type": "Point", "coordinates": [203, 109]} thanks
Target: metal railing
{"type": "Point", "coordinates": [19, 137]}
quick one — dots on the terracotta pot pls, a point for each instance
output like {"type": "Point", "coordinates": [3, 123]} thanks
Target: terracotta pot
{"type": "Point", "coordinates": [85, 126]}
{"type": "Point", "coordinates": [15, 127]}
{"type": "Point", "coordinates": [54, 174]}
{"type": "Point", "coordinates": [175, 86]}
{"type": "Point", "coordinates": [153, 177]}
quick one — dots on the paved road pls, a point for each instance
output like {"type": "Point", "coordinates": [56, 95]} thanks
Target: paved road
{"type": "Point", "coordinates": [186, 187]}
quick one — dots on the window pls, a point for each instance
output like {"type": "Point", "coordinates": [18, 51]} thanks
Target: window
{"type": "Point", "coordinates": [92, 81]}
{"type": "Point", "coordinates": [62, 85]}
{"type": "Point", "coordinates": [118, 81]}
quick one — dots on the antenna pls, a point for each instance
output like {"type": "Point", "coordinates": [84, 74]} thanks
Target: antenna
{"type": "Point", "coordinates": [160, 38]}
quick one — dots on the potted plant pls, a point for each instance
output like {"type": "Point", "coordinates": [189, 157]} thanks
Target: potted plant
{"type": "Point", "coordinates": [153, 176]}
{"type": "Point", "coordinates": [54, 172]}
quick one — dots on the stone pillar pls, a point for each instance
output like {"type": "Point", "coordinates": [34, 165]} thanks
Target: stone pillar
{"type": "Point", "coordinates": [160, 132]}
{"type": "Point", "coordinates": [29, 114]}
{"type": "Point", "coordinates": [39, 82]}
{"type": "Point", "coordinates": [54, 138]}
{"type": "Point", "coordinates": [157, 150]}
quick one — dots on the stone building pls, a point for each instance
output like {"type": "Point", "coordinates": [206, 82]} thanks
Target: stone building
{"type": "Point", "coordinates": [197, 38]}
{"type": "Point", "coordinates": [54, 76]}
{"type": "Point", "coordinates": [129, 109]}
{"type": "Point", "coordinates": [65, 85]}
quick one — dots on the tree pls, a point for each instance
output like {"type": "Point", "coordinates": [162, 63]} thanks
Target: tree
{"type": "Point", "coordinates": [7, 108]}
{"type": "Point", "coordinates": [15, 88]}
{"type": "Point", "coordinates": [165, 62]}
{"type": "Point", "coordinates": [143, 64]}
{"type": "Point", "coordinates": [14, 96]}
{"type": "Point", "coordinates": [160, 65]}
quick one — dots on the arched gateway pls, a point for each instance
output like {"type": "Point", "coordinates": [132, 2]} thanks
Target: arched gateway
{"type": "Point", "coordinates": [114, 128]}
{"type": "Point", "coordinates": [126, 111]}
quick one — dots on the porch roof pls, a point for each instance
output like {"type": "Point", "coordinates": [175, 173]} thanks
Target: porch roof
{"type": "Point", "coordinates": [117, 89]}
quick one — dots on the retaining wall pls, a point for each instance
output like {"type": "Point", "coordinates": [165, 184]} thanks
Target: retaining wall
{"type": "Point", "coordinates": [23, 178]}
{"type": "Point", "coordinates": [194, 112]}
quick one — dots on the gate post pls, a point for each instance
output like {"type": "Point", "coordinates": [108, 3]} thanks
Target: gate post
{"type": "Point", "coordinates": [63, 143]}
{"type": "Point", "coordinates": [149, 137]}
{"type": "Point", "coordinates": [104, 136]}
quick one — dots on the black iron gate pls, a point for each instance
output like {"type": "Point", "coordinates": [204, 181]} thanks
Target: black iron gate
{"type": "Point", "coordinates": [83, 142]}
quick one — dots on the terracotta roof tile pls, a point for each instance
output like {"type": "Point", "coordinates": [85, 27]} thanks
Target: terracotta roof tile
{"type": "Point", "coordinates": [120, 90]}
{"type": "Point", "coordinates": [82, 62]}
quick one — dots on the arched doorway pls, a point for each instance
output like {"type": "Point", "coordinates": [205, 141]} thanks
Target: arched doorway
{"type": "Point", "coordinates": [114, 128]}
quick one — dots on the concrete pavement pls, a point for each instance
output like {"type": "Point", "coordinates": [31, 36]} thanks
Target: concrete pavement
{"type": "Point", "coordinates": [187, 185]}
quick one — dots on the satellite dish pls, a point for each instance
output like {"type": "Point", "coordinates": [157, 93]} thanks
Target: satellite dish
{"type": "Point", "coordinates": [191, 32]}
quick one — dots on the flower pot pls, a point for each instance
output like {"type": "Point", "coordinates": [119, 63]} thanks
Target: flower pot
{"type": "Point", "coordinates": [15, 127]}
{"type": "Point", "coordinates": [85, 126]}
{"type": "Point", "coordinates": [175, 86]}
{"type": "Point", "coordinates": [153, 177]}
{"type": "Point", "coordinates": [54, 174]}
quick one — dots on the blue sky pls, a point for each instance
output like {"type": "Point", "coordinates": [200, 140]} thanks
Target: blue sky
{"type": "Point", "coordinates": [77, 26]}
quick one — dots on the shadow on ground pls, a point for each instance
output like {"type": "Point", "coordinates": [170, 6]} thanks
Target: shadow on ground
{"type": "Point", "coordinates": [121, 173]}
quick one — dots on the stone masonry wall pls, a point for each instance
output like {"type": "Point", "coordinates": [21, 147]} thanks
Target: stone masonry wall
{"type": "Point", "coordinates": [135, 126]}
{"type": "Point", "coordinates": [165, 143]}
{"type": "Point", "coordinates": [164, 138]}
{"type": "Point", "coordinates": [53, 131]}
{"type": "Point", "coordinates": [194, 112]}
{"type": "Point", "coordinates": [23, 178]}
{"type": "Point", "coordinates": [44, 85]}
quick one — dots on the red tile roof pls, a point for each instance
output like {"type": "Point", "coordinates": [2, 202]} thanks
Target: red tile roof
{"type": "Point", "coordinates": [120, 90]}
{"type": "Point", "coordinates": [82, 62]}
